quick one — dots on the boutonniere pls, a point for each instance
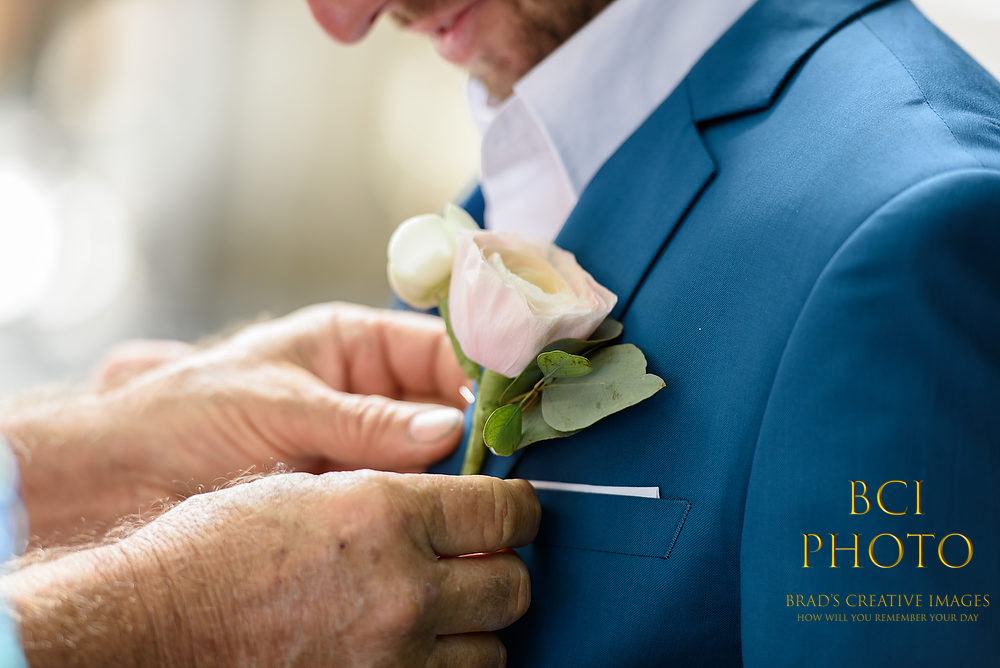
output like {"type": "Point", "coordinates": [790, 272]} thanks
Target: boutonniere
{"type": "Point", "coordinates": [529, 327]}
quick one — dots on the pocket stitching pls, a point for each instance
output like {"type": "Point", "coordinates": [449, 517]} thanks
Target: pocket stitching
{"type": "Point", "coordinates": [623, 554]}
{"type": "Point", "coordinates": [670, 548]}
{"type": "Point", "coordinates": [680, 525]}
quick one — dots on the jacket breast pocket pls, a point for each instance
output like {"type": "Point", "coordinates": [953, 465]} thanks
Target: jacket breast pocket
{"type": "Point", "coordinates": [622, 525]}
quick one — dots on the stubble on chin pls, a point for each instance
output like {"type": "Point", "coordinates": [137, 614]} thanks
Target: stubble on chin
{"type": "Point", "coordinates": [536, 28]}
{"type": "Point", "coordinates": [525, 32]}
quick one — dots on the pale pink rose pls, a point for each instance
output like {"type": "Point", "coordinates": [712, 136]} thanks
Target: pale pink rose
{"type": "Point", "coordinates": [512, 295]}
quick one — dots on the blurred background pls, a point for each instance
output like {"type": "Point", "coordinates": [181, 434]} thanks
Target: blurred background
{"type": "Point", "coordinates": [170, 166]}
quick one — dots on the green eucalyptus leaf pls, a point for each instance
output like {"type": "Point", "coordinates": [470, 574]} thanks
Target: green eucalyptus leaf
{"type": "Point", "coordinates": [535, 429]}
{"type": "Point", "coordinates": [618, 380]}
{"type": "Point", "coordinates": [502, 431]}
{"type": "Point", "coordinates": [560, 364]}
{"type": "Point", "coordinates": [607, 331]}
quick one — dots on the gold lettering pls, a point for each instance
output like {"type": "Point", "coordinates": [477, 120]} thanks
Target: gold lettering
{"type": "Point", "coordinates": [968, 543]}
{"type": "Point", "coordinates": [834, 549]}
{"type": "Point", "coordinates": [878, 497]}
{"type": "Point", "coordinates": [871, 550]}
{"type": "Point", "coordinates": [918, 483]}
{"type": "Point", "coordinates": [920, 541]}
{"type": "Point", "coordinates": [855, 496]}
{"type": "Point", "coordinates": [806, 550]}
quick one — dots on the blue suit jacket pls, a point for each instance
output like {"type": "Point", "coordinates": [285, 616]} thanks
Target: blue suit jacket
{"type": "Point", "coordinates": [805, 242]}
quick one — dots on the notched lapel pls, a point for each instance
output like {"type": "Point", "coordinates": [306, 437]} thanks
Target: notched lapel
{"type": "Point", "coordinates": [629, 211]}
{"type": "Point", "coordinates": [745, 70]}
{"type": "Point", "coordinates": [626, 215]}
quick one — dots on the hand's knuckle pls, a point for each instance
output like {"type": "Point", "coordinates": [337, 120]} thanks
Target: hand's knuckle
{"type": "Point", "coordinates": [405, 606]}
{"type": "Point", "coordinates": [506, 595]}
{"type": "Point", "coordinates": [504, 526]}
{"type": "Point", "coordinates": [380, 500]}
{"type": "Point", "coordinates": [400, 615]}
{"type": "Point", "coordinates": [365, 420]}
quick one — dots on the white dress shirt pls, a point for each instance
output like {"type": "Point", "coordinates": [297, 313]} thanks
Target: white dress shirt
{"type": "Point", "coordinates": [568, 115]}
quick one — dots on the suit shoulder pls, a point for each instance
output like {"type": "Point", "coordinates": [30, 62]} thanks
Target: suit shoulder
{"type": "Point", "coordinates": [955, 208]}
{"type": "Point", "coordinates": [927, 258]}
{"type": "Point", "coordinates": [951, 83]}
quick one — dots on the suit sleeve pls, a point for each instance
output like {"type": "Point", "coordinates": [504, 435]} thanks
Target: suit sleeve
{"type": "Point", "coordinates": [890, 379]}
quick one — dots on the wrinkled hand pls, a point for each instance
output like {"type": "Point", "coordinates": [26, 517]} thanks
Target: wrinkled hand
{"type": "Point", "coordinates": [329, 387]}
{"type": "Point", "coordinates": [128, 359]}
{"type": "Point", "coordinates": [346, 569]}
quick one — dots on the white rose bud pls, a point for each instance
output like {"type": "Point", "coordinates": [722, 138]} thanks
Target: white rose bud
{"type": "Point", "coordinates": [421, 252]}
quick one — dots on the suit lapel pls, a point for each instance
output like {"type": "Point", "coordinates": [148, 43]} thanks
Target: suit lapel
{"type": "Point", "coordinates": [746, 69]}
{"type": "Point", "coordinates": [631, 207]}
{"type": "Point", "coordinates": [629, 211]}
{"type": "Point", "coordinates": [621, 223]}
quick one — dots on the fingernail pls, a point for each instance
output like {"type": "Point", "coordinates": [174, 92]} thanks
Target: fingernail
{"type": "Point", "coordinates": [432, 426]}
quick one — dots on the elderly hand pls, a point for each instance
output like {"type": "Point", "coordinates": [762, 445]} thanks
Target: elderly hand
{"type": "Point", "coordinates": [346, 569]}
{"type": "Point", "coordinates": [329, 387]}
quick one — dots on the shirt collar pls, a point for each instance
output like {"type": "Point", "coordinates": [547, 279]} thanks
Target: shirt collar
{"type": "Point", "coordinates": [586, 98]}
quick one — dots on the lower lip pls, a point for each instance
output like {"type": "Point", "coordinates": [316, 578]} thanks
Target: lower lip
{"type": "Point", "coordinates": [457, 44]}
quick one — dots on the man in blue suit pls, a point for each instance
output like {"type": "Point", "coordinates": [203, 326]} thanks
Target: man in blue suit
{"type": "Point", "coordinates": [803, 238]}
{"type": "Point", "coordinates": [797, 203]}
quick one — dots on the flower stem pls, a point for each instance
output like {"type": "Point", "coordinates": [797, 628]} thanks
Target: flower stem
{"type": "Point", "coordinates": [491, 387]}
{"type": "Point", "coordinates": [526, 399]}
{"type": "Point", "coordinates": [471, 369]}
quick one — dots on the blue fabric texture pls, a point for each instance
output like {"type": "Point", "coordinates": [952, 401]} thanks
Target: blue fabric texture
{"type": "Point", "coordinates": [803, 240]}
{"type": "Point", "coordinates": [13, 532]}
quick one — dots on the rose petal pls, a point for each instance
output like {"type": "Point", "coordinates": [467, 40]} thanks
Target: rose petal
{"type": "Point", "coordinates": [501, 318]}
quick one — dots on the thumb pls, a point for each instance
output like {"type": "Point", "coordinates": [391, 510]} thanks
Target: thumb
{"type": "Point", "coordinates": [372, 431]}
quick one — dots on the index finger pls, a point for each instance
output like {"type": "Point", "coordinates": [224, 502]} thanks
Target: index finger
{"type": "Point", "coordinates": [472, 514]}
{"type": "Point", "coordinates": [420, 356]}
{"type": "Point", "coordinates": [397, 354]}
